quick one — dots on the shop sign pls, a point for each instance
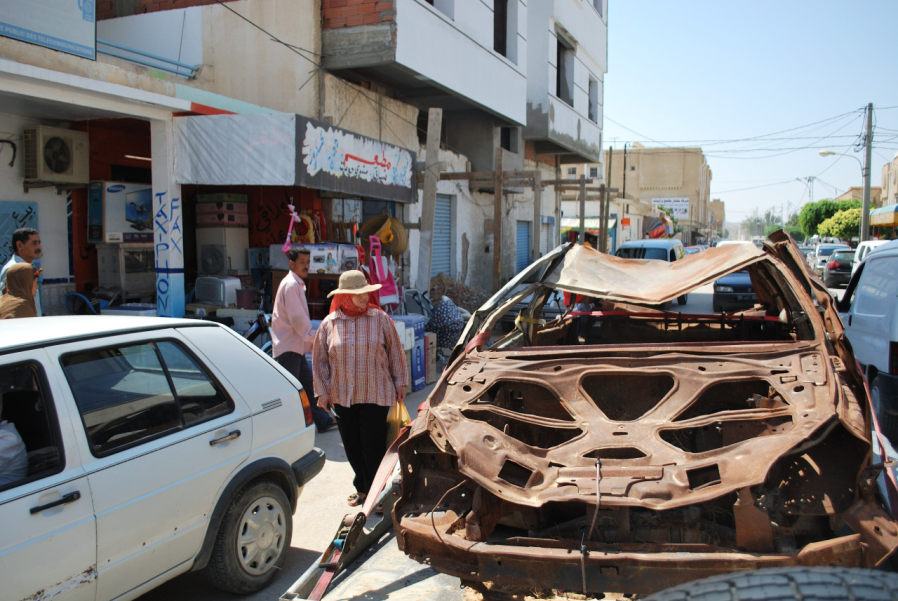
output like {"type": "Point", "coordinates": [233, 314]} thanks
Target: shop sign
{"type": "Point", "coordinates": [14, 215]}
{"type": "Point", "coordinates": [63, 25]}
{"type": "Point", "coordinates": [678, 207]}
{"type": "Point", "coordinates": [341, 161]}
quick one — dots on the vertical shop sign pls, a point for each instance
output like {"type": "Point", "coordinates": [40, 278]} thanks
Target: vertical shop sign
{"type": "Point", "coordinates": [168, 238]}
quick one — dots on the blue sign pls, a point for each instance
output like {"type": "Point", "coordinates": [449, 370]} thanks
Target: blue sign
{"type": "Point", "coordinates": [65, 25]}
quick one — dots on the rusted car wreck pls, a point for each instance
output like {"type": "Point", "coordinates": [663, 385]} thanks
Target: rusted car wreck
{"type": "Point", "coordinates": [622, 448]}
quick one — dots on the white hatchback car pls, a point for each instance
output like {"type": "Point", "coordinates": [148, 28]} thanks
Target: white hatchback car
{"type": "Point", "coordinates": [151, 447]}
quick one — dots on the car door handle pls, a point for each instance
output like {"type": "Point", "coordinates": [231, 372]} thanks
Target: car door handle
{"type": "Point", "coordinates": [225, 438]}
{"type": "Point", "coordinates": [69, 498]}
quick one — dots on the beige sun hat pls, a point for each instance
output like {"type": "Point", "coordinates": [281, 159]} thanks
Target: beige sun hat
{"type": "Point", "coordinates": [354, 282]}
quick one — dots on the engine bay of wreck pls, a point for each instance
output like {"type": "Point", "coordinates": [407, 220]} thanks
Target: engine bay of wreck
{"type": "Point", "coordinates": [623, 448]}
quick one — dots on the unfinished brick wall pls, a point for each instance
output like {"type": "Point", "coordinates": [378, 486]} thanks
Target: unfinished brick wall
{"type": "Point", "coordinates": [109, 9]}
{"type": "Point", "coordinates": [352, 13]}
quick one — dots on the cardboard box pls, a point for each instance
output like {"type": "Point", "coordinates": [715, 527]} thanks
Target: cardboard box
{"type": "Point", "coordinates": [349, 257]}
{"type": "Point", "coordinates": [408, 368]}
{"type": "Point", "coordinates": [414, 322]}
{"type": "Point", "coordinates": [222, 219]}
{"type": "Point", "coordinates": [210, 208]}
{"type": "Point", "coordinates": [222, 197]}
{"type": "Point", "coordinates": [418, 376]}
{"type": "Point", "coordinates": [400, 330]}
{"type": "Point", "coordinates": [325, 258]}
{"type": "Point", "coordinates": [430, 356]}
{"type": "Point", "coordinates": [118, 212]}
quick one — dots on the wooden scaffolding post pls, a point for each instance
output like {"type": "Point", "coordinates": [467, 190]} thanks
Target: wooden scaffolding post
{"type": "Point", "coordinates": [429, 197]}
{"type": "Point", "coordinates": [537, 214]}
{"type": "Point", "coordinates": [582, 238]}
{"type": "Point", "coordinates": [498, 179]}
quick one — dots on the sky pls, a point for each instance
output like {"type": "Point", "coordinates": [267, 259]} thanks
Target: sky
{"type": "Point", "coordinates": [709, 72]}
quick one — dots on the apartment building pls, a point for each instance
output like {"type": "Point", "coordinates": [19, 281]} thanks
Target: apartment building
{"type": "Point", "coordinates": [524, 77]}
{"type": "Point", "coordinates": [889, 185]}
{"type": "Point", "coordinates": [857, 193]}
{"type": "Point", "coordinates": [679, 179]}
{"type": "Point", "coordinates": [717, 209]}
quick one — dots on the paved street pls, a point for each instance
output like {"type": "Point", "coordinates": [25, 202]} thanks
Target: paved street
{"type": "Point", "coordinates": [321, 507]}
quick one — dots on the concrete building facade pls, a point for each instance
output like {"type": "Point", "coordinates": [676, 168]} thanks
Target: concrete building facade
{"type": "Point", "coordinates": [677, 178]}
{"type": "Point", "coordinates": [857, 193]}
{"type": "Point", "coordinates": [717, 209]}
{"type": "Point", "coordinates": [889, 185]}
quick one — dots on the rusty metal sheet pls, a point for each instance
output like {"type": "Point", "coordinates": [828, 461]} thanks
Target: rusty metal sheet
{"type": "Point", "coordinates": [631, 449]}
{"type": "Point", "coordinates": [587, 271]}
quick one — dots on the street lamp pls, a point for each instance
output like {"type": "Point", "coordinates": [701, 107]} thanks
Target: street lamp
{"type": "Point", "coordinates": [865, 210]}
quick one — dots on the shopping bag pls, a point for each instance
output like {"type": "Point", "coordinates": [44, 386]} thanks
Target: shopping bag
{"type": "Point", "coordinates": [396, 420]}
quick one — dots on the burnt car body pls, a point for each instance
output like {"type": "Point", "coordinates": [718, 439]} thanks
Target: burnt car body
{"type": "Point", "coordinates": [629, 449]}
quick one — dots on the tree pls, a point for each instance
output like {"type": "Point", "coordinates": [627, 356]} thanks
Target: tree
{"type": "Point", "coordinates": [844, 225]}
{"type": "Point", "coordinates": [792, 230]}
{"type": "Point", "coordinates": [814, 213]}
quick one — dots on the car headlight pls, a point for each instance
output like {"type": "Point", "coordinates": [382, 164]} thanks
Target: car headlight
{"type": "Point", "coordinates": [723, 288]}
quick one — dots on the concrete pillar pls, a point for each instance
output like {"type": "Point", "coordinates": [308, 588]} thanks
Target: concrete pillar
{"type": "Point", "coordinates": [168, 236]}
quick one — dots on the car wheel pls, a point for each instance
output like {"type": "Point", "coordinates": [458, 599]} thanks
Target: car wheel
{"type": "Point", "coordinates": [888, 419]}
{"type": "Point", "coordinates": [253, 539]}
{"type": "Point", "coordinates": [681, 300]}
{"type": "Point", "coordinates": [783, 584]}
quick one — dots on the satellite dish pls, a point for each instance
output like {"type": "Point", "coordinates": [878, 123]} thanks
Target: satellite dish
{"type": "Point", "coordinates": [57, 155]}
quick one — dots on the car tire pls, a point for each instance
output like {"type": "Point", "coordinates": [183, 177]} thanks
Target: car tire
{"type": "Point", "coordinates": [888, 419]}
{"type": "Point", "coordinates": [238, 564]}
{"type": "Point", "coordinates": [681, 300]}
{"type": "Point", "coordinates": [783, 584]}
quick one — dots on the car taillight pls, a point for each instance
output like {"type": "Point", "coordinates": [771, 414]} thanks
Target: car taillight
{"type": "Point", "coordinates": [893, 358]}
{"type": "Point", "coordinates": [306, 407]}
{"type": "Point", "coordinates": [832, 264]}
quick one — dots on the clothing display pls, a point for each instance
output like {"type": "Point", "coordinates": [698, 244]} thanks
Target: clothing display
{"type": "Point", "coordinates": [447, 323]}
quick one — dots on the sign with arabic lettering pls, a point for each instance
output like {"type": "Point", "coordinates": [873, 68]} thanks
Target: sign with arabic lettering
{"type": "Point", "coordinates": [679, 207]}
{"type": "Point", "coordinates": [14, 215]}
{"type": "Point", "coordinates": [341, 161]}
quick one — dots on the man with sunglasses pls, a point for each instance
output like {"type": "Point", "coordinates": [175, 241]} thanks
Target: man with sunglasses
{"type": "Point", "coordinates": [26, 243]}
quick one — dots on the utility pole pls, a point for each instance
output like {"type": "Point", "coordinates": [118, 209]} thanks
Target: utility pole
{"type": "Point", "coordinates": [537, 213]}
{"type": "Point", "coordinates": [497, 220]}
{"type": "Point", "coordinates": [606, 206]}
{"type": "Point", "coordinates": [865, 210]}
{"type": "Point", "coordinates": [582, 238]}
{"type": "Point", "coordinates": [429, 197]}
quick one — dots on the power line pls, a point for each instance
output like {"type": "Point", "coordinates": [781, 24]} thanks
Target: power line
{"type": "Point", "coordinates": [790, 181]}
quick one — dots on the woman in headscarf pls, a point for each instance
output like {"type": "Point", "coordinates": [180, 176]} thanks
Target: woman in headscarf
{"type": "Point", "coordinates": [21, 286]}
{"type": "Point", "coordinates": [359, 369]}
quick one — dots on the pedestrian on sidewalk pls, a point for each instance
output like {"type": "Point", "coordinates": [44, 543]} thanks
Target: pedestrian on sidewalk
{"type": "Point", "coordinates": [21, 287]}
{"type": "Point", "coordinates": [360, 371]}
{"type": "Point", "coordinates": [291, 331]}
{"type": "Point", "coordinates": [26, 246]}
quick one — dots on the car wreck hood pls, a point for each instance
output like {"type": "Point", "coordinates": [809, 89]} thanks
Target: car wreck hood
{"type": "Point", "coordinates": [587, 271]}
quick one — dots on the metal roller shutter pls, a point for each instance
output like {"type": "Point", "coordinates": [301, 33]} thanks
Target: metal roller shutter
{"type": "Point", "coordinates": [545, 238]}
{"type": "Point", "coordinates": [441, 249]}
{"type": "Point", "coordinates": [522, 246]}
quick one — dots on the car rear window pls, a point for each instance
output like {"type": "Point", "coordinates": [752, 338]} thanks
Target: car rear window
{"type": "Point", "coordinates": [132, 393]}
{"type": "Point", "coordinates": [826, 251]}
{"type": "Point", "coordinates": [843, 255]}
{"type": "Point", "coordinates": [639, 252]}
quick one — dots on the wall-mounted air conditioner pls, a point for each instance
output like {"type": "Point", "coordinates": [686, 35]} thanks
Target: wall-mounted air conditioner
{"type": "Point", "coordinates": [55, 156]}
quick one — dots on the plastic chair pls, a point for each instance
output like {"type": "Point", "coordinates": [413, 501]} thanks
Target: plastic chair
{"type": "Point", "coordinates": [78, 304]}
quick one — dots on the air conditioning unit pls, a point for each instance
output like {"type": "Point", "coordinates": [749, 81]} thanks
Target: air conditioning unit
{"type": "Point", "coordinates": [55, 156]}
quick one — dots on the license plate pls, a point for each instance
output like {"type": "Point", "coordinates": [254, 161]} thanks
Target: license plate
{"type": "Point", "coordinates": [746, 297]}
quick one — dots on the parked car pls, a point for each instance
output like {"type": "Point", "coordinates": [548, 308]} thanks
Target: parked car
{"type": "Point", "coordinates": [820, 257]}
{"type": "Point", "coordinates": [869, 310]}
{"type": "Point", "coordinates": [626, 450]}
{"type": "Point", "coordinates": [153, 447]}
{"type": "Point", "coordinates": [733, 292]}
{"type": "Point", "coordinates": [691, 250]}
{"type": "Point", "coordinates": [863, 249]}
{"type": "Point", "coordinates": [661, 250]}
{"type": "Point", "coordinates": [837, 270]}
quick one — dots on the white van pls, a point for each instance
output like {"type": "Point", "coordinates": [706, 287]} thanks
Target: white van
{"type": "Point", "coordinates": [869, 310]}
{"type": "Point", "coordinates": [864, 249]}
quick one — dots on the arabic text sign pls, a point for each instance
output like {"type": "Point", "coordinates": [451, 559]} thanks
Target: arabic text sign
{"type": "Point", "coordinates": [64, 25]}
{"type": "Point", "coordinates": [14, 215]}
{"type": "Point", "coordinates": [679, 207]}
{"type": "Point", "coordinates": [341, 161]}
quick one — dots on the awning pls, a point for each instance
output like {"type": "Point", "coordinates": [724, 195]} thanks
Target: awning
{"type": "Point", "coordinates": [887, 215]}
{"type": "Point", "coordinates": [587, 271]}
{"type": "Point", "coordinates": [592, 224]}
{"type": "Point", "coordinates": [283, 149]}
